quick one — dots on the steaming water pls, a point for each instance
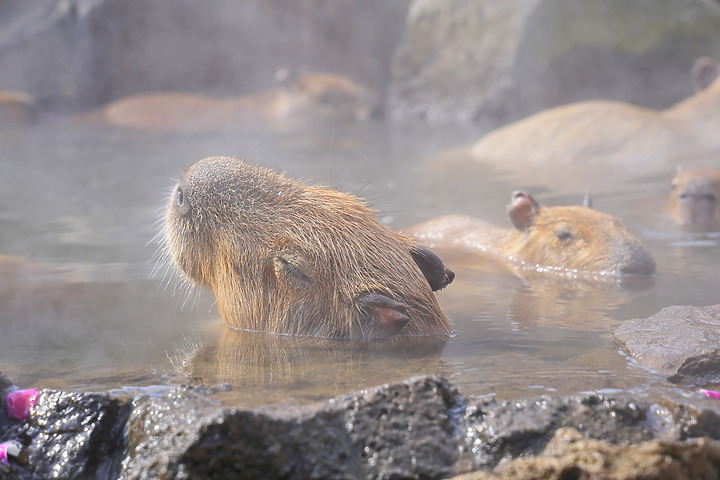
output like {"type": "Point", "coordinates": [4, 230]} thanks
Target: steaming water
{"type": "Point", "coordinates": [80, 208]}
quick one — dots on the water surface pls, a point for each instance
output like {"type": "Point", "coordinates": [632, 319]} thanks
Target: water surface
{"type": "Point", "coordinates": [79, 208]}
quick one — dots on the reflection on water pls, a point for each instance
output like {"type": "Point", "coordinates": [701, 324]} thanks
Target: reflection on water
{"type": "Point", "coordinates": [79, 308]}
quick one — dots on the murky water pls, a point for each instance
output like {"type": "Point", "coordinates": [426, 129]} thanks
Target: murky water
{"type": "Point", "coordinates": [80, 307]}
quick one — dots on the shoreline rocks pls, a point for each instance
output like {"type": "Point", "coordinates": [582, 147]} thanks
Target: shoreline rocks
{"type": "Point", "coordinates": [681, 343]}
{"type": "Point", "coordinates": [419, 428]}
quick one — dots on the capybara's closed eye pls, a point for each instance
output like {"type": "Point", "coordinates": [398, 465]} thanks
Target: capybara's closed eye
{"type": "Point", "coordinates": [284, 257]}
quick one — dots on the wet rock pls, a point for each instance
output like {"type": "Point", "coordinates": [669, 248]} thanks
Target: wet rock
{"type": "Point", "coordinates": [402, 430]}
{"type": "Point", "coordinates": [569, 455]}
{"type": "Point", "coordinates": [681, 343]}
{"type": "Point", "coordinates": [76, 435]}
{"type": "Point", "coordinates": [499, 60]}
{"type": "Point", "coordinates": [67, 435]}
{"type": "Point", "coordinates": [419, 428]}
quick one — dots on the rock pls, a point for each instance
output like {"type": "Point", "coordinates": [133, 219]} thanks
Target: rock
{"type": "Point", "coordinates": [69, 435]}
{"type": "Point", "coordinates": [402, 430]}
{"type": "Point", "coordinates": [87, 52]}
{"type": "Point", "coordinates": [681, 343]}
{"type": "Point", "coordinates": [419, 428]}
{"type": "Point", "coordinates": [570, 455]}
{"type": "Point", "coordinates": [496, 61]}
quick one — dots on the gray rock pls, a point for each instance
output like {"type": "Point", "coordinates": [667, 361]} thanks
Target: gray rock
{"type": "Point", "coordinates": [404, 430]}
{"type": "Point", "coordinates": [681, 343]}
{"type": "Point", "coordinates": [419, 428]}
{"type": "Point", "coordinates": [497, 60]}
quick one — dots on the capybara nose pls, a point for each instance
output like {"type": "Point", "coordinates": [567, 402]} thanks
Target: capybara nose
{"type": "Point", "coordinates": [634, 259]}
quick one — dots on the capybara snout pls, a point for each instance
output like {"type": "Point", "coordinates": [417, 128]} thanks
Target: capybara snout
{"type": "Point", "coordinates": [284, 257]}
{"type": "Point", "coordinates": [693, 201]}
{"type": "Point", "coordinates": [562, 240]}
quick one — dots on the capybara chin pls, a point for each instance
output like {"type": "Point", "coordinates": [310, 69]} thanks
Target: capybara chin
{"type": "Point", "coordinates": [287, 258]}
{"type": "Point", "coordinates": [560, 240]}
{"type": "Point", "coordinates": [693, 201]}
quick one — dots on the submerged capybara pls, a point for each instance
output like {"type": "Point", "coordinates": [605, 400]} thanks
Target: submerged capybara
{"type": "Point", "coordinates": [559, 240]}
{"type": "Point", "coordinates": [309, 99]}
{"type": "Point", "coordinates": [16, 108]}
{"type": "Point", "coordinates": [693, 200]}
{"type": "Point", "coordinates": [610, 135]}
{"type": "Point", "coordinates": [287, 258]}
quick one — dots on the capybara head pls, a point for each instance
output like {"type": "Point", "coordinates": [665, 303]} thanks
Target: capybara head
{"type": "Point", "coordinates": [693, 201]}
{"type": "Point", "coordinates": [575, 238]}
{"type": "Point", "coordinates": [284, 257]}
{"type": "Point", "coordinates": [333, 96]}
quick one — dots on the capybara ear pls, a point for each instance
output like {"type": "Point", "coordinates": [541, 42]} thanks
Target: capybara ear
{"type": "Point", "coordinates": [587, 199]}
{"type": "Point", "coordinates": [523, 210]}
{"type": "Point", "coordinates": [390, 315]}
{"type": "Point", "coordinates": [290, 266]}
{"type": "Point", "coordinates": [704, 73]}
{"type": "Point", "coordinates": [435, 271]}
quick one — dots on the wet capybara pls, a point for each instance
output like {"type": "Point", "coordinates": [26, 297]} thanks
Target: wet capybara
{"type": "Point", "coordinates": [309, 99]}
{"type": "Point", "coordinates": [287, 258]}
{"type": "Point", "coordinates": [694, 197]}
{"type": "Point", "coordinates": [559, 240]}
{"type": "Point", "coordinates": [604, 134]}
{"type": "Point", "coordinates": [16, 108]}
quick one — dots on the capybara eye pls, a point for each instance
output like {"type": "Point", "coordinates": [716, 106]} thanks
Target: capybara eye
{"type": "Point", "coordinates": [179, 197]}
{"type": "Point", "coordinates": [563, 233]}
{"type": "Point", "coordinates": [709, 198]}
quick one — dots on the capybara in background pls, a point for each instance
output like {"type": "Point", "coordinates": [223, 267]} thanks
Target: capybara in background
{"type": "Point", "coordinates": [610, 135]}
{"type": "Point", "coordinates": [693, 201]}
{"type": "Point", "coordinates": [309, 99]}
{"type": "Point", "coordinates": [559, 240]}
{"type": "Point", "coordinates": [288, 258]}
{"type": "Point", "coordinates": [16, 108]}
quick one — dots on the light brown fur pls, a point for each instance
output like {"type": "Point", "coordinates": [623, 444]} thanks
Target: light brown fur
{"type": "Point", "coordinates": [559, 240]}
{"type": "Point", "coordinates": [284, 257]}
{"type": "Point", "coordinates": [16, 108]}
{"type": "Point", "coordinates": [694, 201]}
{"type": "Point", "coordinates": [319, 97]}
{"type": "Point", "coordinates": [604, 134]}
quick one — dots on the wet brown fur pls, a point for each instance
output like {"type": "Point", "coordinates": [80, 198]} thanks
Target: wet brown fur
{"type": "Point", "coordinates": [604, 133]}
{"type": "Point", "coordinates": [310, 98]}
{"type": "Point", "coordinates": [695, 198]}
{"type": "Point", "coordinates": [289, 258]}
{"type": "Point", "coordinates": [565, 238]}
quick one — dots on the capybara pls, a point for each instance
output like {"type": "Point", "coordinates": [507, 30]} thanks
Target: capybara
{"type": "Point", "coordinates": [309, 99]}
{"type": "Point", "coordinates": [287, 258]}
{"type": "Point", "coordinates": [560, 240]}
{"type": "Point", "coordinates": [16, 108]}
{"type": "Point", "coordinates": [693, 200]}
{"type": "Point", "coordinates": [610, 135]}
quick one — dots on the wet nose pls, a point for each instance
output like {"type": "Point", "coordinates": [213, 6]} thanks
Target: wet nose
{"type": "Point", "coordinates": [634, 259]}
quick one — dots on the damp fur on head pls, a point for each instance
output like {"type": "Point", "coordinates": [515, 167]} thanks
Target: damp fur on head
{"type": "Point", "coordinates": [284, 257]}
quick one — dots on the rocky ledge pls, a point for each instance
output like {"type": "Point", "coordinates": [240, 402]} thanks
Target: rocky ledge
{"type": "Point", "coordinates": [680, 343]}
{"type": "Point", "coordinates": [419, 428]}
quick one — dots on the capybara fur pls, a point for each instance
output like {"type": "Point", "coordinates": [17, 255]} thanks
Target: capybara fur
{"type": "Point", "coordinates": [288, 258]}
{"type": "Point", "coordinates": [609, 134]}
{"type": "Point", "coordinates": [561, 240]}
{"type": "Point", "coordinates": [693, 201]}
{"type": "Point", "coordinates": [309, 99]}
{"type": "Point", "coordinates": [16, 109]}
